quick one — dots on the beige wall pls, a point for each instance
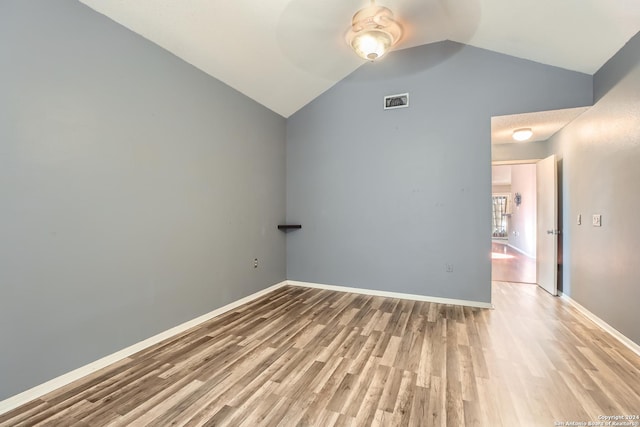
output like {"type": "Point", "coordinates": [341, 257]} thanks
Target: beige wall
{"type": "Point", "coordinates": [522, 225]}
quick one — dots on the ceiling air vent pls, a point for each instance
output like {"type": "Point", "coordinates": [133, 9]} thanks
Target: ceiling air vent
{"type": "Point", "coordinates": [400, 100]}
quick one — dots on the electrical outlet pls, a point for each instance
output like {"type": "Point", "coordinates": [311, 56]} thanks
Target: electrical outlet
{"type": "Point", "coordinates": [255, 263]}
{"type": "Point", "coordinates": [597, 220]}
{"type": "Point", "coordinates": [448, 268]}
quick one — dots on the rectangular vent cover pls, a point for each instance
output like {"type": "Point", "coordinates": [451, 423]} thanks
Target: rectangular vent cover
{"type": "Point", "coordinates": [400, 100]}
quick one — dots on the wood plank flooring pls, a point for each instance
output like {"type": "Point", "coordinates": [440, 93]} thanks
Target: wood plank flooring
{"type": "Point", "coordinates": [509, 265]}
{"type": "Point", "coordinates": [310, 357]}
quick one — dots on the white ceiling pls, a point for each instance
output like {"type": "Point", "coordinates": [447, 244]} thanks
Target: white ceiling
{"type": "Point", "coordinates": [284, 53]}
{"type": "Point", "coordinates": [544, 124]}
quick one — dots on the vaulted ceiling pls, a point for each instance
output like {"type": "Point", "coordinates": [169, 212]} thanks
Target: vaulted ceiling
{"type": "Point", "coordinates": [284, 53]}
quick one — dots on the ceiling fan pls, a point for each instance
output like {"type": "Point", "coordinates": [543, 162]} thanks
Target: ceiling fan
{"type": "Point", "coordinates": [312, 33]}
{"type": "Point", "coordinates": [373, 31]}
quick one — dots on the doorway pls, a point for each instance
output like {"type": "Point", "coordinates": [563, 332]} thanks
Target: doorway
{"type": "Point", "coordinates": [514, 204]}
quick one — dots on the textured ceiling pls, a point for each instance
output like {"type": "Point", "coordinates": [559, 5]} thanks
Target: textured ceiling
{"type": "Point", "coordinates": [284, 53]}
{"type": "Point", "coordinates": [543, 124]}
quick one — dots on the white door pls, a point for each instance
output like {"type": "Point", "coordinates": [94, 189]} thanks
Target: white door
{"type": "Point", "coordinates": [547, 227]}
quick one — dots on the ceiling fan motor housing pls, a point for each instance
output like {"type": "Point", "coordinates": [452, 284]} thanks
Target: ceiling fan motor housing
{"type": "Point", "coordinates": [373, 32]}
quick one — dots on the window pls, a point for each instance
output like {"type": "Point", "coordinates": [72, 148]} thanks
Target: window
{"type": "Point", "coordinates": [500, 215]}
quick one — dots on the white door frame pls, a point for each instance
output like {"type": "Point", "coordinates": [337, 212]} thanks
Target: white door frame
{"type": "Point", "coordinates": [517, 162]}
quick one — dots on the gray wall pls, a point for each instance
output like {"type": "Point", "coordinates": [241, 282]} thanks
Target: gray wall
{"type": "Point", "coordinates": [387, 198]}
{"type": "Point", "coordinates": [520, 151]}
{"type": "Point", "coordinates": [136, 191]}
{"type": "Point", "coordinates": [600, 154]}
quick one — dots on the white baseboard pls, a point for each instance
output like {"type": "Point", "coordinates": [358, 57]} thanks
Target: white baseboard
{"type": "Point", "coordinates": [42, 389]}
{"type": "Point", "coordinates": [51, 385]}
{"type": "Point", "coordinates": [391, 294]}
{"type": "Point", "coordinates": [604, 325]}
{"type": "Point", "coordinates": [520, 250]}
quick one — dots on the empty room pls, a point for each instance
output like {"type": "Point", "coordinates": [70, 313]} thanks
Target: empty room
{"type": "Point", "coordinates": [302, 212]}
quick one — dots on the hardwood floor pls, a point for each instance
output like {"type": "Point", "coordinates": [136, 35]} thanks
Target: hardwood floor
{"type": "Point", "coordinates": [509, 265]}
{"type": "Point", "coordinates": [312, 357]}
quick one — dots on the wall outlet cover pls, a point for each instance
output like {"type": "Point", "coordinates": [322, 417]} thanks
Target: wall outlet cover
{"type": "Point", "coordinates": [597, 220]}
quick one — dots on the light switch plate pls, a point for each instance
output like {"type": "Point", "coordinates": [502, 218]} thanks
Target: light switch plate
{"type": "Point", "coordinates": [597, 220]}
{"type": "Point", "coordinates": [579, 219]}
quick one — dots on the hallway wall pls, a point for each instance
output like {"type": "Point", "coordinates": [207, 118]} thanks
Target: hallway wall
{"type": "Point", "coordinates": [600, 154]}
